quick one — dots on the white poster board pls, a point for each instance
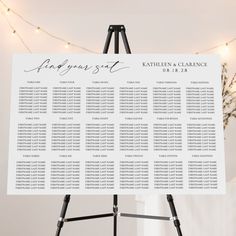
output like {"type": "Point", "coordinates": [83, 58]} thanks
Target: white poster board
{"type": "Point", "coordinates": [124, 124]}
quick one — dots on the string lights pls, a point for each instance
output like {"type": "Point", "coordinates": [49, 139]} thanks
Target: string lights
{"type": "Point", "coordinates": [14, 32]}
{"type": "Point", "coordinates": [37, 29]}
{"type": "Point", "coordinates": [223, 48]}
{"type": "Point", "coordinates": [67, 45]}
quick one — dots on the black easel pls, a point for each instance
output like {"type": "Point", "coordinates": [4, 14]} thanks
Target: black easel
{"type": "Point", "coordinates": [117, 30]}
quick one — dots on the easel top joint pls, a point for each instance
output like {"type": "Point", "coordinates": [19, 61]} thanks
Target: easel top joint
{"type": "Point", "coordinates": [117, 28]}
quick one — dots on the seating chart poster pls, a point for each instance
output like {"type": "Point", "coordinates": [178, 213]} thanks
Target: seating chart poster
{"type": "Point", "coordinates": [116, 124]}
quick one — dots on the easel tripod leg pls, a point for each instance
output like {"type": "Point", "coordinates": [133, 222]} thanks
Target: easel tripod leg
{"type": "Point", "coordinates": [174, 214]}
{"type": "Point", "coordinates": [60, 222]}
{"type": "Point", "coordinates": [108, 40]}
{"type": "Point", "coordinates": [115, 211]}
{"type": "Point", "coordinates": [125, 40]}
{"type": "Point", "coordinates": [116, 42]}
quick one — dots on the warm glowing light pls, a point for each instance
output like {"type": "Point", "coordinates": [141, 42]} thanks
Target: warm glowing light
{"type": "Point", "coordinates": [8, 11]}
{"type": "Point", "coordinates": [37, 30]}
{"type": "Point", "coordinates": [67, 45]}
{"type": "Point", "coordinates": [224, 51]}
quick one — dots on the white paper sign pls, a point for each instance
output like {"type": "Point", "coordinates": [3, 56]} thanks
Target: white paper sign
{"type": "Point", "coordinates": [124, 124]}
